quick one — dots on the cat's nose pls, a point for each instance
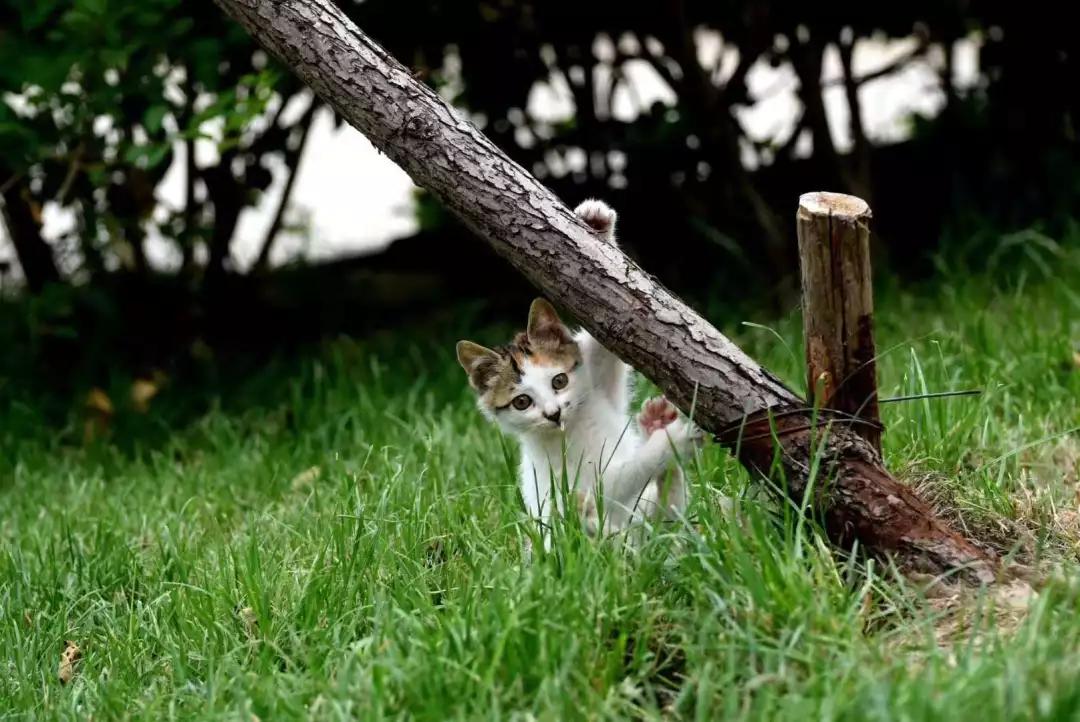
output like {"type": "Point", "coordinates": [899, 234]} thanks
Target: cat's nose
{"type": "Point", "coordinates": [554, 416]}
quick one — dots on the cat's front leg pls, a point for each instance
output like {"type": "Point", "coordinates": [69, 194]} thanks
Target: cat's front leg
{"type": "Point", "coordinates": [609, 373]}
{"type": "Point", "coordinates": [625, 479]}
{"type": "Point", "coordinates": [667, 436]}
{"type": "Point", "coordinates": [535, 486]}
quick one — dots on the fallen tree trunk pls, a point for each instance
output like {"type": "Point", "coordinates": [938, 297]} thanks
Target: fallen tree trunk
{"type": "Point", "coordinates": [750, 410]}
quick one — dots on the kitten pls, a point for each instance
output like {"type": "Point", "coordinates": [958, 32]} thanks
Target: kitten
{"type": "Point", "coordinates": [558, 391]}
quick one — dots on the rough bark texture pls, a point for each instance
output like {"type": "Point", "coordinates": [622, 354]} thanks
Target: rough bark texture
{"type": "Point", "coordinates": [613, 298]}
{"type": "Point", "coordinates": [838, 307]}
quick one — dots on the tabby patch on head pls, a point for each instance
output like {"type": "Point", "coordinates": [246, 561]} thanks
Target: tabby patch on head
{"type": "Point", "coordinates": [497, 373]}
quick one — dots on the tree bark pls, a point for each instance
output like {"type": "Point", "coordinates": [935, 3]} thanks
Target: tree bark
{"type": "Point", "coordinates": [748, 408]}
{"type": "Point", "coordinates": [838, 308]}
{"type": "Point", "coordinates": [858, 172]}
{"type": "Point", "coordinates": [807, 59]}
{"type": "Point", "coordinates": [227, 197]}
{"type": "Point", "coordinates": [34, 254]}
{"type": "Point", "coordinates": [293, 157]}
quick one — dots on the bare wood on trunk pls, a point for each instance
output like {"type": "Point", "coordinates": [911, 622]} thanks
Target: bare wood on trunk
{"type": "Point", "coordinates": [625, 308]}
{"type": "Point", "coordinates": [838, 308]}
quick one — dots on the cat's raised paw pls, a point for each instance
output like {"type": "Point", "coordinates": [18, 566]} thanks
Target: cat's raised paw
{"type": "Point", "coordinates": [656, 413]}
{"type": "Point", "coordinates": [598, 215]}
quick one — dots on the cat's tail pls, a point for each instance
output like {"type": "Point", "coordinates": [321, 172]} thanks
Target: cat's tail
{"type": "Point", "coordinates": [599, 216]}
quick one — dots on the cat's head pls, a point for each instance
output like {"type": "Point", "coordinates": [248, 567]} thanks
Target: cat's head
{"type": "Point", "coordinates": [536, 383]}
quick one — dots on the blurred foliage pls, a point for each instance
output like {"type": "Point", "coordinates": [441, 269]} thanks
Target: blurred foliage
{"type": "Point", "coordinates": [103, 98]}
{"type": "Point", "coordinates": [103, 95]}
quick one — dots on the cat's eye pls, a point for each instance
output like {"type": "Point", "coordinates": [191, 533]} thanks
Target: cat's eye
{"type": "Point", "coordinates": [559, 382]}
{"type": "Point", "coordinates": [521, 402]}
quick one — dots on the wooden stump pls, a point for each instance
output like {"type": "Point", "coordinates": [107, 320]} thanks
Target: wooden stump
{"type": "Point", "coordinates": [838, 308]}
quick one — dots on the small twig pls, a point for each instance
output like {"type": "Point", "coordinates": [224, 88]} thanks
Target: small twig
{"type": "Point", "coordinates": [832, 415]}
{"type": "Point", "coordinates": [935, 395]}
{"type": "Point", "coordinates": [11, 181]}
{"type": "Point", "coordinates": [73, 169]}
{"type": "Point", "coordinates": [293, 158]}
{"type": "Point", "coordinates": [887, 69]}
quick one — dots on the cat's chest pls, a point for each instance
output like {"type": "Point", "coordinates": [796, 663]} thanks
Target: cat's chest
{"type": "Point", "coordinates": [585, 448]}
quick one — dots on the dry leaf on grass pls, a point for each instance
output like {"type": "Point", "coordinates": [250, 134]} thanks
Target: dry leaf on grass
{"type": "Point", "coordinates": [97, 401]}
{"type": "Point", "coordinates": [250, 621]}
{"type": "Point", "coordinates": [69, 658]}
{"type": "Point", "coordinates": [144, 390]}
{"type": "Point", "coordinates": [99, 412]}
{"type": "Point", "coordinates": [305, 478]}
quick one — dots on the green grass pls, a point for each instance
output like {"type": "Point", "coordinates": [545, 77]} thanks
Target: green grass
{"type": "Point", "coordinates": [339, 538]}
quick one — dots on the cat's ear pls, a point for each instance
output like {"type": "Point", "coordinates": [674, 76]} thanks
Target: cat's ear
{"type": "Point", "coordinates": [478, 361]}
{"type": "Point", "coordinates": [545, 326]}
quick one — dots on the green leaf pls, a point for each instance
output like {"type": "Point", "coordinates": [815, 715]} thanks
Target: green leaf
{"type": "Point", "coordinates": [146, 156]}
{"type": "Point", "coordinates": [156, 154]}
{"type": "Point", "coordinates": [132, 153]}
{"type": "Point", "coordinates": [153, 118]}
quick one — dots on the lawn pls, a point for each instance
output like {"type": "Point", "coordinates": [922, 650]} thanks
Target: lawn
{"type": "Point", "coordinates": [339, 537]}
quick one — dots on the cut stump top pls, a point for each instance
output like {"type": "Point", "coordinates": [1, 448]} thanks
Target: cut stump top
{"type": "Point", "coordinates": [837, 205]}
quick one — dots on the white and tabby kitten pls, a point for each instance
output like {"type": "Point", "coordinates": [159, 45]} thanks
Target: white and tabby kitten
{"type": "Point", "coordinates": [558, 391]}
